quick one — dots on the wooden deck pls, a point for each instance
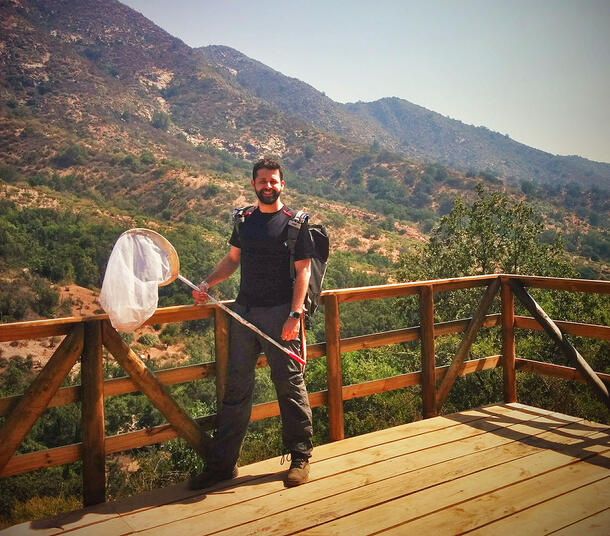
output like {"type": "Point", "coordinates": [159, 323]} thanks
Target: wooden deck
{"type": "Point", "coordinates": [503, 469]}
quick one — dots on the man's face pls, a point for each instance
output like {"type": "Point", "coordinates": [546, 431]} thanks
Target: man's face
{"type": "Point", "coordinates": [268, 185]}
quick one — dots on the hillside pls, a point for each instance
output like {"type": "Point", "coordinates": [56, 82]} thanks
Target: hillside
{"type": "Point", "coordinates": [109, 122]}
{"type": "Point", "coordinates": [413, 131]}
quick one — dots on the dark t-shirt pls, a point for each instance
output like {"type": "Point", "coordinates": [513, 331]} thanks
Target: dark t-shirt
{"type": "Point", "coordinates": [265, 258]}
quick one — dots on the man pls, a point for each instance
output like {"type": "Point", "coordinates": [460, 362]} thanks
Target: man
{"type": "Point", "coordinates": [272, 301]}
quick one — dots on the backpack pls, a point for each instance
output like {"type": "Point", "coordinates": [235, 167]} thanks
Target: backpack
{"type": "Point", "coordinates": [319, 237]}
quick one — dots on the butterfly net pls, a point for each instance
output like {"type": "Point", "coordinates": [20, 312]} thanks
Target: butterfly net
{"type": "Point", "coordinates": [141, 261]}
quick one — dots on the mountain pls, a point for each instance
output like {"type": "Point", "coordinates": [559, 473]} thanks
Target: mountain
{"type": "Point", "coordinates": [411, 130]}
{"type": "Point", "coordinates": [103, 112]}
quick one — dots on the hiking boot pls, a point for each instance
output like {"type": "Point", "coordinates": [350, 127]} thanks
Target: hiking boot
{"type": "Point", "coordinates": [210, 477]}
{"type": "Point", "coordinates": [298, 473]}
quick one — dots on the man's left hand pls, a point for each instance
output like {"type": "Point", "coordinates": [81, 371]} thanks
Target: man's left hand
{"type": "Point", "coordinates": [290, 331]}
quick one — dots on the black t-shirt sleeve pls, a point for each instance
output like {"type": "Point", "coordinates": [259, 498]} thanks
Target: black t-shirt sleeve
{"type": "Point", "coordinates": [304, 247]}
{"type": "Point", "coordinates": [234, 240]}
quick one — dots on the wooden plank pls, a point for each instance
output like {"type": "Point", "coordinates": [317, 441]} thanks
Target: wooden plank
{"type": "Point", "coordinates": [92, 415]}
{"type": "Point", "coordinates": [508, 343]}
{"type": "Point", "coordinates": [555, 333]}
{"type": "Point", "coordinates": [457, 326]}
{"type": "Point", "coordinates": [555, 371]}
{"type": "Point", "coordinates": [374, 340]}
{"type": "Point", "coordinates": [153, 389]}
{"type": "Point", "coordinates": [380, 386]}
{"type": "Point", "coordinates": [554, 514]}
{"type": "Point", "coordinates": [578, 329]}
{"type": "Point", "coordinates": [265, 473]}
{"type": "Point", "coordinates": [589, 286]}
{"type": "Point", "coordinates": [471, 332]}
{"type": "Point", "coordinates": [21, 419]}
{"type": "Point", "coordinates": [595, 525]}
{"type": "Point", "coordinates": [119, 386]}
{"type": "Point", "coordinates": [36, 329]}
{"type": "Point", "coordinates": [112, 527]}
{"type": "Point", "coordinates": [91, 515]}
{"type": "Point", "coordinates": [333, 368]}
{"type": "Point", "coordinates": [444, 493]}
{"type": "Point", "coordinates": [397, 336]}
{"type": "Point", "coordinates": [409, 288]}
{"type": "Point", "coordinates": [414, 378]}
{"type": "Point", "coordinates": [333, 467]}
{"type": "Point", "coordinates": [528, 492]}
{"type": "Point", "coordinates": [334, 496]}
{"type": "Point", "coordinates": [180, 313]}
{"type": "Point", "coordinates": [42, 459]}
{"type": "Point", "coordinates": [428, 358]}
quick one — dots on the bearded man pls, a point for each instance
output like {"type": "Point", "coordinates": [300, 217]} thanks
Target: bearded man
{"type": "Point", "coordinates": [272, 299]}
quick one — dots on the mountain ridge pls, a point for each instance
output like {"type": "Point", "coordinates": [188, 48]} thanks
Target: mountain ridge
{"type": "Point", "coordinates": [409, 129]}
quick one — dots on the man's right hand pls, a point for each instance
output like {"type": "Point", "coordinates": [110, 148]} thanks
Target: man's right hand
{"type": "Point", "coordinates": [201, 295]}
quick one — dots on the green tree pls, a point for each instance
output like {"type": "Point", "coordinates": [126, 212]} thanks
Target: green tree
{"type": "Point", "coordinates": [160, 120]}
{"type": "Point", "coordinates": [495, 234]}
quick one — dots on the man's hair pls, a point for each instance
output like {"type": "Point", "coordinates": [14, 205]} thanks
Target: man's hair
{"type": "Point", "coordinates": [266, 163]}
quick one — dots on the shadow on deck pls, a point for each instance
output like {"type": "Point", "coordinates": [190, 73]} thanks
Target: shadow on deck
{"type": "Point", "coordinates": [509, 467]}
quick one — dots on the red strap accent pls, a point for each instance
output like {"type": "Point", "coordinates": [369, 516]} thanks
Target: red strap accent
{"type": "Point", "coordinates": [287, 213]}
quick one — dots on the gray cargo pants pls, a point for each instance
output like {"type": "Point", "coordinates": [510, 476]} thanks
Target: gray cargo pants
{"type": "Point", "coordinates": [286, 374]}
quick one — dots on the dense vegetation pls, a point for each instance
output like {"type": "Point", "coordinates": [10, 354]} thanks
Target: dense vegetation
{"type": "Point", "coordinates": [493, 233]}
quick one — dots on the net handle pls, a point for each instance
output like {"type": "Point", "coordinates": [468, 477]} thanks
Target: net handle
{"type": "Point", "coordinates": [243, 321]}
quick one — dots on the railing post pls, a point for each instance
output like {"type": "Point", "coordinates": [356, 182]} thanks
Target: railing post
{"type": "Point", "coordinates": [221, 348]}
{"type": "Point", "coordinates": [428, 362]}
{"type": "Point", "coordinates": [508, 342]}
{"type": "Point", "coordinates": [92, 382]}
{"type": "Point", "coordinates": [333, 368]}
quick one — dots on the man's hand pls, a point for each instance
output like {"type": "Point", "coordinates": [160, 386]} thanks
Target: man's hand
{"type": "Point", "coordinates": [201, 296]}
{"type": "Point", "coordinates": [290, 331]}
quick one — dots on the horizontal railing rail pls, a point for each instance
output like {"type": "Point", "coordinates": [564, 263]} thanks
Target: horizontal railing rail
{"type": "Point", "coordinates": [97, 332]}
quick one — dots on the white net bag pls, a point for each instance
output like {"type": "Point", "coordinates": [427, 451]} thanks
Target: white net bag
{"type": "Point", "coordinates": [141, 261]}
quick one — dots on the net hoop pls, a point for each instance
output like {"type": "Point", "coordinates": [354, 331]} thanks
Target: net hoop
{"type": "Point", "coordinates": [165, 245]}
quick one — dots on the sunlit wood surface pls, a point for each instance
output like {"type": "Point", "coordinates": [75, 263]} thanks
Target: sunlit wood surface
{"type": "Point", "coordinates": [503, 469]}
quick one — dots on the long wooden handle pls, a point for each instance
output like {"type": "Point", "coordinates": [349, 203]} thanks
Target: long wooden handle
{"type": "Point", "coordinates": [243, 321]}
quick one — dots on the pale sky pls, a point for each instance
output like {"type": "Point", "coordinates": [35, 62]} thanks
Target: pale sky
{"type": "Point", "coordinates": [537, 70]}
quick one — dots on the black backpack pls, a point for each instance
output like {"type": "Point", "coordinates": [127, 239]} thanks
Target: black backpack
{"type": "Point", "coordinates": [319, 237]}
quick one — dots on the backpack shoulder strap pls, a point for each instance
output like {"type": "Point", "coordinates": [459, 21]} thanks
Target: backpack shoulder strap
{"type": "Point", "coordinates": [294, 226]}
{"type": "Point", "coordinates": [240, 214]}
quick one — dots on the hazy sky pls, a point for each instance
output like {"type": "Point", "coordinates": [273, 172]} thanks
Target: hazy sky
{"type": "Point", "coordinates": [537, 70]}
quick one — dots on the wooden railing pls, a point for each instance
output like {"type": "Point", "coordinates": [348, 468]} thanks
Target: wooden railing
{"type": "Point", "coordinates": [85, 338]}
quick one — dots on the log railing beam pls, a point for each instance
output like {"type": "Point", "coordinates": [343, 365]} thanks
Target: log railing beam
{"type": "Point", "coordinates": [508, 342]}
{"type": "Point", "coordinates": [333, 368]}
{"type": "Point", "coordinates": [154, 389]}
{"type": "Point", "coordinates": [564, 345]}
{"type": "Point", "coordinates": [428, 359]}
{"type": "Point", "coordinates": [471, 332]}
{"type": "Point", "coordinates": [25, 413]}
{"type": "Point", "coordinates": [94, 454]}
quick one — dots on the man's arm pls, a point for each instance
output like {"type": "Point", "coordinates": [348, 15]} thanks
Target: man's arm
{"type": "Point", "coordinates": [302, 269]}
{"type": "Point", "coordinates": [226, 266]}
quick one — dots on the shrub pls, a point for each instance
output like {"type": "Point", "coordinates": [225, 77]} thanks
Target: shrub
{"type": "Point", "coordinates": [160, 120]}
{"type": "Point", "coordinates": [72, 155]}
{"type": "Point", "coordinates": [149, 339]}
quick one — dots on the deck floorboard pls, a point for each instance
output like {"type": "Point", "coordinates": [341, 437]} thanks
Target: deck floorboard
{"type": "Point", "coordinates": [480, 471]}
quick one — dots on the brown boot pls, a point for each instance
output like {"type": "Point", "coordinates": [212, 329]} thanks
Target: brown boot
{"type": "Point", "coordinates": [298, 473]}
{"type": "Point", "coordinates": [210, 477]}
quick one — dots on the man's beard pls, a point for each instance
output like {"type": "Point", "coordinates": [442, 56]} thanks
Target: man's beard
{"type": "Point", "coordinates": [267, 199]}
